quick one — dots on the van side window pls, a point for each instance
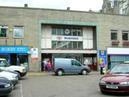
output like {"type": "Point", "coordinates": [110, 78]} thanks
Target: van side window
{"type": "Point", "coordinates": [75, 63]}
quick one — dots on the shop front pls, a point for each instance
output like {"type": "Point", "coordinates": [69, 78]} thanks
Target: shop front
{"type": "Point", "coordinates": [15, 55]}
{"type": "Point", "coordinates": [85, 57]}
{"type": "Point", "coordinates": [117, 56]}
{"type": "Point", "coordinates": [69, 41]}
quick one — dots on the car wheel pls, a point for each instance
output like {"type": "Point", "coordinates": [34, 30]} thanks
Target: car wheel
{"type": "Point", "coordinates": [59, 72]}
{"type": "Point", "coordinates": [84, 72]}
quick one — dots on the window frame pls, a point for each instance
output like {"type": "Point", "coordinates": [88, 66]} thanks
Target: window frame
{"type": "Point", "coordinates": [114, 32]}
{"type": "Point", "coordinates": [62, 30]}
{"type": "Point", "coordinates": [4, 27]}
{"type": "Point", "coordinates": [125, 32]}
{"type": "Point", "coordinates": [70, 44]}
{"type": "Point", "coordinates": [22, 32]}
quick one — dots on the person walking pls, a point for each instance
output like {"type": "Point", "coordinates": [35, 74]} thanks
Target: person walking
{"type": "Point", "coordinates": [45, 65]}
{"type": "Point", "coordinates": [49, 65]}
{"type": "Point", "coordinates": [102, 65]}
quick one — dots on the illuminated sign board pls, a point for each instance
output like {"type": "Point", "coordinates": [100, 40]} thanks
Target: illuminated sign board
{"type": "Point", "coordinates": [14, 49]}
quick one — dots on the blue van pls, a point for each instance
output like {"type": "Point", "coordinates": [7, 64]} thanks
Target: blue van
{"type": "Point", "coordinates": [69, 66]}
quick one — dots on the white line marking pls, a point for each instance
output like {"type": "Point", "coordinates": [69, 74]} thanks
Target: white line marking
{"type": "Point", "coordinates": [21, 91]}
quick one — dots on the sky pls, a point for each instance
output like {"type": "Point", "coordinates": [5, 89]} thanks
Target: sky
{"type": "Point", "coordinates": [81, 5]}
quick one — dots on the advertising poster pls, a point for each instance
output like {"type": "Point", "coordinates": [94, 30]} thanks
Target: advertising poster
{"type": "Point", "coordinates": [34, 53]}
{"type": "Point", "coordinates": [102, 59]}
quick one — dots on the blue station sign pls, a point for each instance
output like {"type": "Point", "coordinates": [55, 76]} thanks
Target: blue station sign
{"type": "Point", "coordinates": [102, 55]}
{"type": "Point", "coordinates": [14, 49]}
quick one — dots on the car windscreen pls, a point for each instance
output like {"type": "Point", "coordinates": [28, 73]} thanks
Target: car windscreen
{"type": "Point", "coordinates": [120, 69]}
{"type": "Point", "coordinates": [3, 63]}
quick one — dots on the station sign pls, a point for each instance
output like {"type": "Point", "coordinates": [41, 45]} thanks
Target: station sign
{"type": "Point", "coordinates": [102, 55]}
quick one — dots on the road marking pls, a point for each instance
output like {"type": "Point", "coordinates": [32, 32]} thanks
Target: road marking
{"type": "Point", "coordinates": [21, 91]}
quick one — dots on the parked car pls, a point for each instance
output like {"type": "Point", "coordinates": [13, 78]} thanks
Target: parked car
{"type": "Point", "coordinates": [10, 76]}
{"type": "Point", "coordinates": [69, 66]}
{"type": "Point", "coordinates": [116, 80]}
{"type": "Point", "coordinates": [5, 86]}
{"type": "Point", "coordinates": [4, 65]}
{"type": "Point", "coordinates": [14, 72]}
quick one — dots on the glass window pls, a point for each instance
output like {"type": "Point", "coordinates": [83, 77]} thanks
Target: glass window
{"type": "Point", "coordinates": [57, 31]}
{"type": "Point", "coordinates": [79, 32]}
{"type": "Point", "coordinates": [113, 35]}
{"type": "Point", "coordinates": [54, 44]}
{"type": "Point", "coordinates": [75, 45]}
{"type": "Point", "coordinates": [53, 31]}
{"type": "Point", "coordinates": [3, 31]}
{"type": "Point", "coordinates": [67, 44]}
{"type": "Point", "coordinates": [124, 36]}
{"type": "Point", "coordinates": [18, 32]}
{"type": "Point", "coordinates": [64, 44]}
{"type": "Point", "coordinates": [69, 31]}
{"type": "Point", "coordinates": [3, 63]}
{"type": "Point", "coordinates": [80, 45]}
{"type": "Point", "coordinates": [74, 33]}
{"type": "Point", "coordinates": [76, 63]}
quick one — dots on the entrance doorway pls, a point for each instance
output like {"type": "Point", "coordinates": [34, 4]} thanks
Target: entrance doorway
{"type": "Point", "coordinates": [18, 59]}
{"type": "Point", "coordinates": [45, 57]}
{"type": "Point", "coordinates": [13, 59]}
{"type": "Point", "coordinates": [91, 61]}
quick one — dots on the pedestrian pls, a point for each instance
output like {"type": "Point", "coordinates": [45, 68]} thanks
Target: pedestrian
{"type": "Point", "coordinates": [45, 65]}
{"type": "Point", "coordinates": [18, 61]}
{"type": "Point", "coordinates": [102, 65]}
{"type": "Point", "coordinates": [49, 65]}
{"type": "Point", "coordinates": [42, 66]}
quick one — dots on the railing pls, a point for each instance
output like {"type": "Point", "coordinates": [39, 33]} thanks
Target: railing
{"type": "Point", "coordinates": [115, 42]}
{"type": "Point", "coordinates": [3, 41]}
{"type": "Point", "coordinates": [6, 41]}
{"type": "Point", "coordinates": [125, 43]}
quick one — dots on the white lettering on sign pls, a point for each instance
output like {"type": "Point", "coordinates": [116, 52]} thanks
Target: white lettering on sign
{"type": "Point", "coordinates": [71, 38]}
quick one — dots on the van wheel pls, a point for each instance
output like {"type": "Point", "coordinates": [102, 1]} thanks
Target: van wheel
{"type": "Point", "coordinates": [60, 72]}
{"type": "Point", "coordinates": [84, 72]}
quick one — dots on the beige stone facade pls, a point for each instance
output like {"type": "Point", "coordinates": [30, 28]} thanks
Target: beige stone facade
{"type": "Point", "coordinates": [33, 18]}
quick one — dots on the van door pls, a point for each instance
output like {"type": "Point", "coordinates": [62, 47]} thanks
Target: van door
{"type": "Point", "coordinates": [76, 66]}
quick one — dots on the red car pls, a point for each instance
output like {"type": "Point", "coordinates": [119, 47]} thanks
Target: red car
{"type": "Point", "coordinates": [116, 80]}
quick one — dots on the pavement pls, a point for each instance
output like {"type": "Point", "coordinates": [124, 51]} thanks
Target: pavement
{"type": "Point", "coordinates": [38, 73]}
{"type": "Point", "coordinates": [30, 73]}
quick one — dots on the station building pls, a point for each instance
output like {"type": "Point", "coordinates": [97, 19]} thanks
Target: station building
{"type": "Point", "coordinates": [31, 35]}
